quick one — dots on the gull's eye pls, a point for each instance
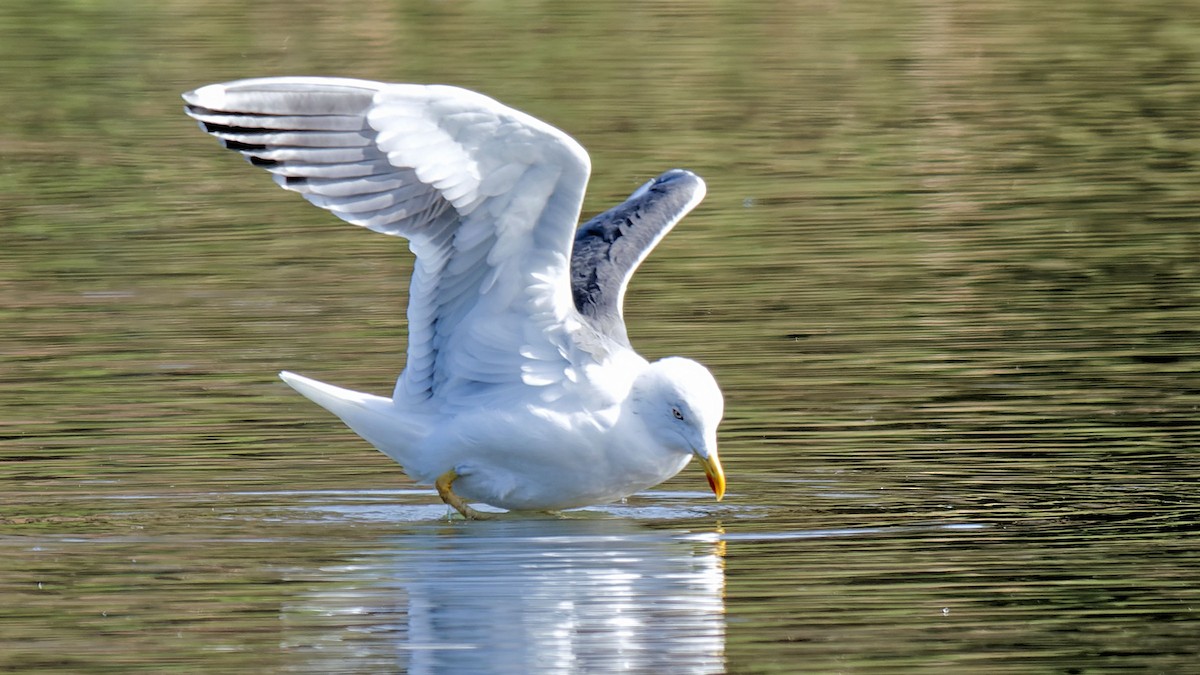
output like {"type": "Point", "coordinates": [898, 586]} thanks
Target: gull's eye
{"type": "Point", "coordinates": [678, 415]}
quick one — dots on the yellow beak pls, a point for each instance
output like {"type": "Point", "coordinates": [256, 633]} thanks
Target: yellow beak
{"type": "Point", "coordinates": [714, 473]}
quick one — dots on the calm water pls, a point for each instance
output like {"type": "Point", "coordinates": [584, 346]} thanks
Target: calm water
{"type": "Point", "coordinates": [946, 273]}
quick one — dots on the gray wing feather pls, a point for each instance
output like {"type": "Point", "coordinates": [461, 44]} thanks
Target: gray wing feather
{"type": "Point", "coordinates": [609, 247]}
{"type": "Point", "coordinates": [487, 196]}
{"type": "Point", "coordinates": [315, 138]}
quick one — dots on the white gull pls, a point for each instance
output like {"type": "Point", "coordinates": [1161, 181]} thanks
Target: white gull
{"type": "Point", "coordinates": [521, 389]}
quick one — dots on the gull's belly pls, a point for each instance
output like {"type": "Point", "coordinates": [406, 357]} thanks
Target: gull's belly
{"type": "Point", "coordinates": [553, 486]}
{"type": "Point", "coordinates": [549, 465]}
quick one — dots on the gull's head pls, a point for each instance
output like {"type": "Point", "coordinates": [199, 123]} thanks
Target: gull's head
{"type": "Point", "coordinates": [681, 405]}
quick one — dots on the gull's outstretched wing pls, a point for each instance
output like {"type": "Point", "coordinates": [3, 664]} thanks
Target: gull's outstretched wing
{"type": "Point", "coordinates": [487, 196]}
{"type": "Point", "coordinates": [609, 247]}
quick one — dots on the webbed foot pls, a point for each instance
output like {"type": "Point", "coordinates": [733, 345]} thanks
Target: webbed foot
{"type": "Point", "coordinates": [443, 485]}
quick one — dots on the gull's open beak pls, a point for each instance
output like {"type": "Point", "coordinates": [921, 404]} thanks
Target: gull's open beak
{"type": "Point", "coordinates": [714, 473]}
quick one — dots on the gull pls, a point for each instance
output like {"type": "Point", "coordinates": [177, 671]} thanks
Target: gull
{"type": "Point", "coordinates": [521, 389]}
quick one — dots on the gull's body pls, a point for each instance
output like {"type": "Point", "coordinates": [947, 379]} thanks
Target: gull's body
{"type": "Point", "coordinates": [521, 389]}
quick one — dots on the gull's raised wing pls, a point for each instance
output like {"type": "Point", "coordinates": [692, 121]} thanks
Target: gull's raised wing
{"type": "Point", "coordinates": [609, 247]}
{"type": "Point", "coordinates": [487, 196]}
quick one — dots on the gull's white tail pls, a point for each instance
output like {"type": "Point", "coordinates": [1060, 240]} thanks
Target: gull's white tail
{"type": "Point", "coordinates": [375, 418]}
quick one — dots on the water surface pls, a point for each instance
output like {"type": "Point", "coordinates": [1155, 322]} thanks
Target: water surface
{"type": "Point", "coordinates": [946, 274]}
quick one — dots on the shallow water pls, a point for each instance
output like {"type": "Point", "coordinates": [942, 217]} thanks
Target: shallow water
{"type": "Point", "coordinates": [946, 274]}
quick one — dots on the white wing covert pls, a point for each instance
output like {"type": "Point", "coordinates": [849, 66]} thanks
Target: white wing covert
{"type": "Point", "coordinates": [487, 196]}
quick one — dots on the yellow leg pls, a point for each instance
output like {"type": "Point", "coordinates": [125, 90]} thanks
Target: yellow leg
{"type": "Point", "coordinates": [443, 484]}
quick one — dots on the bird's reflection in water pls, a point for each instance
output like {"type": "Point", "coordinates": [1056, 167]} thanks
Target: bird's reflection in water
{"type": "Point", "coordinates": [522, 596]}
